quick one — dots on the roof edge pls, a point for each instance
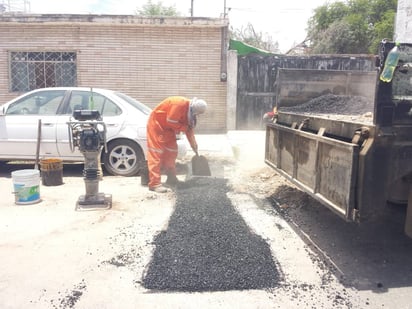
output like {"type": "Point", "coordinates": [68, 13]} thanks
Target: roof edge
{"type": "Point", "coordinates": [112, 19]}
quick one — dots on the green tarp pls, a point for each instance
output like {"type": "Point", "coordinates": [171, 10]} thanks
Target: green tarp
{"type": "Point", "coordinates": [245, 49]}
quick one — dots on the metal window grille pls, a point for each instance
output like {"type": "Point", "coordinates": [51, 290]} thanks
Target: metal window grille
{"type": "Point", "coordinates": [33, 70]}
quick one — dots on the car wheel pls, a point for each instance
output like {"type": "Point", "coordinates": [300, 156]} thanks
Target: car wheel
{"type": "Point", "coordinates": [123, 158]}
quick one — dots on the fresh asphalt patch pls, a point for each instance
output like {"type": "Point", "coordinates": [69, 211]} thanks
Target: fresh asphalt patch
{"type": "Point", "coordinates": [208, 246]}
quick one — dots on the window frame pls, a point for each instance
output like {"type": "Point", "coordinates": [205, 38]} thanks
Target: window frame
{"type": "Point", "coordinates": [29, 70]}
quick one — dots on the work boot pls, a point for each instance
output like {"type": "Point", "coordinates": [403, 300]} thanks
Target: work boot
{"type": "Point", "coordinates": [159, 189]}
{"type": "Point", "coordinates": [172, 181]}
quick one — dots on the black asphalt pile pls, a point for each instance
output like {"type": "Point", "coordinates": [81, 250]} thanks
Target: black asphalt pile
{"type": "Point", "coordinates": [333, 104]}
{"type": "Point", "coordinates": [72, 297]}
{"type": "Point", "coordinates": [208, 246]}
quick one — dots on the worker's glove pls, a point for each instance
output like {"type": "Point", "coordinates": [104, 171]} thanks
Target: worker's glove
{"type": "Point", "coordinates": [268, 115]}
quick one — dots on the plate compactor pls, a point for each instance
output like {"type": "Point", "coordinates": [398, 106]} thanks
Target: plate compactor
{"type": "Point", "coordinates": [87, 131]}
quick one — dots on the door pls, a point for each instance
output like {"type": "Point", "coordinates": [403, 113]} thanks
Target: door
{"type": "Point", "coordinates": [112, 113]}
{"type": "Point", "coordinates": [19, 125]}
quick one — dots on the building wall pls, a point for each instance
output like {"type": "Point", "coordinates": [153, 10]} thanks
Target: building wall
{"type": "Point", "coordinates": [149, 59]}
{"type": "Point", "coordinates": [403, 25]}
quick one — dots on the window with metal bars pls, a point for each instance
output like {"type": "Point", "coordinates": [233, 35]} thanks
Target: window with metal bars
{"type": "Point", "coordinates": [33, 70]}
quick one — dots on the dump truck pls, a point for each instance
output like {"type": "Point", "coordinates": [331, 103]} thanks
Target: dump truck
{"type": "Point", "coordinates": [345, 137]}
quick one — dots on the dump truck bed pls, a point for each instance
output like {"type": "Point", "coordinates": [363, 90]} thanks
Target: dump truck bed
{"type": "Point", "coordinates": [344, 137]}
{"type": "Point", "coordinates": [310, 143]}
{"type": "Point", "coordinates": [324, 167]}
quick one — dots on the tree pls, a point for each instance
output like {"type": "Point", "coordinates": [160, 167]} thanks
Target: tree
{"type": "Point", "coordinates": [246, 34]}
{"type": "Point", "coordinates": [249, 36]}
{"type": "Point", "coordinates": [337, 37]}
{"type": "Point", "coordinates": [354, 26]}
{"type": "Point", "coordinates": [157, 9]}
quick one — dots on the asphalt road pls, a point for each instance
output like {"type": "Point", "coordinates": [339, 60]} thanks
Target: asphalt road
{"type": "Point", "coordinates": [243, 238]}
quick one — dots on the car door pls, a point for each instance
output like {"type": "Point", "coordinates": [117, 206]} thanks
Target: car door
{"type": "Point", "coordinates": [20, 123]}
{"type": "Point", "coordinates": [88, 100]}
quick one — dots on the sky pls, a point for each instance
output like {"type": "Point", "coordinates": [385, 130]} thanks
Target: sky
{"type": "Point", "coordinates": [284, 21]}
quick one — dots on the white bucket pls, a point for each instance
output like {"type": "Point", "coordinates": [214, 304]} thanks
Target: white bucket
{"type": "Point", "coordinates": [26, 186]}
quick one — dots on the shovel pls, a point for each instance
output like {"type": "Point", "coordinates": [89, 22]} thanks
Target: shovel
{"type": "Point", "coordinates": [200, 166]}
{"type": "Point", "coordinates": [36, 164]}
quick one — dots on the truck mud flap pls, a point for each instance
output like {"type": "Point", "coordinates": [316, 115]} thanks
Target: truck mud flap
{"type": "Point", "coordinates": [323, 167]}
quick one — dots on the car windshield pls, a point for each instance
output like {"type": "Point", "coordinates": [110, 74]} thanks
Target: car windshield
{"type": "Point", "coordinates": [141, 107]}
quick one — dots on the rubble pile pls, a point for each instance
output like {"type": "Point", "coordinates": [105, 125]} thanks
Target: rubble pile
{"type": "Point", "coordinates": [336, 107]}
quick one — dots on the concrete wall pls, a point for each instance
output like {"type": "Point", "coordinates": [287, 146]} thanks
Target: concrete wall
{"type": "Point", "coordinates": [403, 26]}
{"type": "Point", "coordinates": [231, 90]}
{"type": "Point", "coordinates": [147, 58]}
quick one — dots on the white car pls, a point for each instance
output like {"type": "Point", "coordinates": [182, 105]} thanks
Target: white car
{"type": "Point", "coordinates": [124, 117]}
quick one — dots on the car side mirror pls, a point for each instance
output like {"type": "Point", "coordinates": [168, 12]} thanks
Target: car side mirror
{"type": "Point", "coordinates": [2, 110]}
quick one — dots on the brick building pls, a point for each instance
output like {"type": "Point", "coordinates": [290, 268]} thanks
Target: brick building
{"type": "Point", "coordinates": [147, 58]}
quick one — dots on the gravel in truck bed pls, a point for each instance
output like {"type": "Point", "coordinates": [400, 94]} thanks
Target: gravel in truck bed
{"type": "Point", "coordinates": [208, 246]}
{"type": "Point", "coordinates": [336, 107]}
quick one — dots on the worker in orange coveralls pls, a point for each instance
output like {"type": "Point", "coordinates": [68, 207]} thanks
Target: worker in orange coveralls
{"type": "Point", "coordinates": [173, 115]}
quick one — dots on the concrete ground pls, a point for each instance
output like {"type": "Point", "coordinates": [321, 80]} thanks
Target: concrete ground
{"type": "Point", "coordinates": [52, 256]}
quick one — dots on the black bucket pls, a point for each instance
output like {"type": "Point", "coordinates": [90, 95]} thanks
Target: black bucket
{"type": "Point", "coordinates": [51, 172]}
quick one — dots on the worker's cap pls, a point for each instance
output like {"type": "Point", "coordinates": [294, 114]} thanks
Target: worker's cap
{"type": "Point", "coordinates": [198, 106]}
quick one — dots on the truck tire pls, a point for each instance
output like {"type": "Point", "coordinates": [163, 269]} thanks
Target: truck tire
{"type": "Point", "coordinates": [123, 158]}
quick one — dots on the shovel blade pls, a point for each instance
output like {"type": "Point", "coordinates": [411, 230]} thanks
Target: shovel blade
{"type": "Point", "coordinates": [200, 166]}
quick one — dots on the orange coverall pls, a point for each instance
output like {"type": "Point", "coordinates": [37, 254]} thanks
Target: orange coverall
{"type": "Point", "coordinates": [166, 120]}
